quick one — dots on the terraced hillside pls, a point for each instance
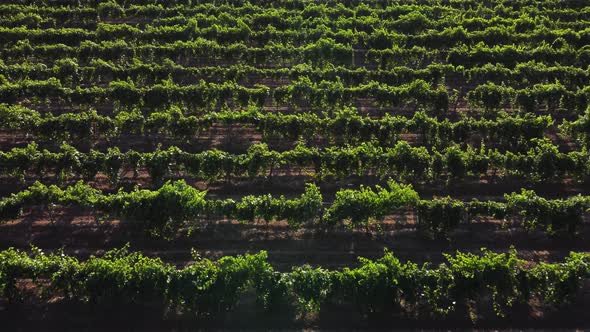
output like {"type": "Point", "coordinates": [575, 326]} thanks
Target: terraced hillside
{"type": "Point", "coordinates": [245, 154]}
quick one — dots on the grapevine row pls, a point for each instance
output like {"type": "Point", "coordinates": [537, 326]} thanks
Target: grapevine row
{"type": "Point", "coordinates": [432, 15]}
{"type": "Point", "coordinates": [69, 71]}
{"type": "Point", "coordinates": [206, 94]}
{"type": "Point", "coordinates": [382, 286]}
{"type": "Point", "coordinates": [392, 34]}
{"type": "Point", "coordinates": [541, 163]}
{"type": "Point", "coordinates": [342, 126]}
{"type": "Point", "coordinates": [326, 50]}
{"type": "Point", "coordinates": [328, 6]}
{"type": "Point", "coordinates": [553, 97]}
{"type": "Point", "coordinates": [176, 206]}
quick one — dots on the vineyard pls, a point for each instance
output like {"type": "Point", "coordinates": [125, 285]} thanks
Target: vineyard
{"type": "Point", "coordinates": [294, 163]}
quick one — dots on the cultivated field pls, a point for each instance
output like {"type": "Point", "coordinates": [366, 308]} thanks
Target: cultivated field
{"type": "Point", "coordinates": [189, 163]}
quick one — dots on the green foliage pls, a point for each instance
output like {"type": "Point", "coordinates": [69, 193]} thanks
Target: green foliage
{"type": "Point", "coordinates": [385, 286]}
{"type": "Point", "coordinates": [345, 125]}
{"type": "Point", "coordinates": [177, 205]}
{"type": "Point", "coordinates": [360, 207]}
{"type": "Point", "coordinates": [440, 216]}
{"type": "Point", "coordinates": [551, 215]}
